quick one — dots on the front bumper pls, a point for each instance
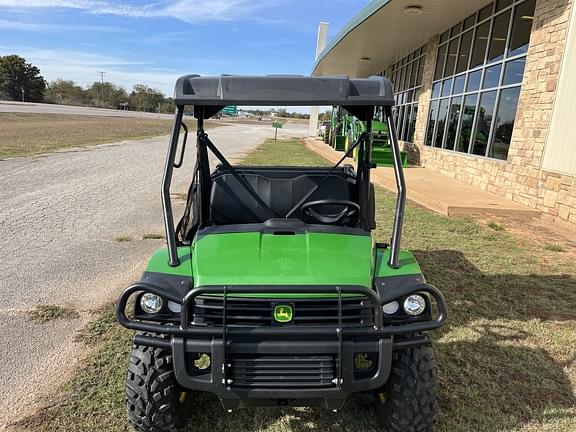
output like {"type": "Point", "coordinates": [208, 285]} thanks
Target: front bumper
{"type": "Point", "coordinates": [271, 356]}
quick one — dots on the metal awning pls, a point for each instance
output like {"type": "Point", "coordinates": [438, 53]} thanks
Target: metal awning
{"type": "Point", "coordinates": [383, 33]}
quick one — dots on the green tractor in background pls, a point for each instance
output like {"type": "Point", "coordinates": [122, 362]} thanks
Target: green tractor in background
{"type": "Point", "coordinates": [345, 130]}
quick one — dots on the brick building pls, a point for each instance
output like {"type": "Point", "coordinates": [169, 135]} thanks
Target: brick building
{"type": "Point", "coordinates": [485, 90]}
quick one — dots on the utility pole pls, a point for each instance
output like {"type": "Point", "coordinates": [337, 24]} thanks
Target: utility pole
{"type": "Point", "coordinates": [101, 96]}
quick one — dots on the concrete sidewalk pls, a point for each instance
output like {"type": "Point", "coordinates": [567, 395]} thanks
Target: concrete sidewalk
{"type": "Point", "coordinates": [436, 191]}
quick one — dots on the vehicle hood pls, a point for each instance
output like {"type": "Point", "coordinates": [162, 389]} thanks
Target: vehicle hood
{"type": "Point", "coordinates": [256, 258]}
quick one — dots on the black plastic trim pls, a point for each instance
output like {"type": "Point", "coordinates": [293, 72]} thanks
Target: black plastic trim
{"type": "Point", "coordinates": [274, 225]}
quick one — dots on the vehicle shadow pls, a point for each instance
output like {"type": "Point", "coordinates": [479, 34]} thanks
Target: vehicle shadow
{"type": "Point", "coordinates": [504, 354]}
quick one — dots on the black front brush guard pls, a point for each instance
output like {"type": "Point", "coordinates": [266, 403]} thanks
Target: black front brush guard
{"type": "Point", "coordinates": [224, 343]}
{"type": "Point", "coordinates": [186, 329]}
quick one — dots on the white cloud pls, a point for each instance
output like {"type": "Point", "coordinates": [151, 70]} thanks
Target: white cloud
{"type": "Point", "coordinates": [46, 27]}
{"type": "Point", "coordinates": [184, 10]}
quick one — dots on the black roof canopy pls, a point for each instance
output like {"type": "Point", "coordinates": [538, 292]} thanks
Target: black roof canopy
{"type": "Point", "coordinates": [213, 93]}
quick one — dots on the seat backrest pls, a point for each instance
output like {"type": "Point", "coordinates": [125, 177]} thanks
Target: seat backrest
{"type": "Point", "coordinates": [231, 203]}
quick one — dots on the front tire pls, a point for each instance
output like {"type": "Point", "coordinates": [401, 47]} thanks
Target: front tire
{"type": "Point", "coordinates": [153, 400]}
{"type": "Point", "coordinates": [408, 401]}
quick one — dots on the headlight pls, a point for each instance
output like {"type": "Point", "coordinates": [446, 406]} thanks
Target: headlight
{"type": "Point", "coordinates": [414, 304]}
{"type": "Point", "coordinates": [151, 303]}
{"type": "Point", "coordinates": [391, 308]}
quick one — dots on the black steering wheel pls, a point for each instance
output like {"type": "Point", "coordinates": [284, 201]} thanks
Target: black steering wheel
{"type": "Point", "coordinates": [350, 209]}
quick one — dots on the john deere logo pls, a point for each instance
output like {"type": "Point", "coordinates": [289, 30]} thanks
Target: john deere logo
{"type": "Point", "coordinates": [283, 313]}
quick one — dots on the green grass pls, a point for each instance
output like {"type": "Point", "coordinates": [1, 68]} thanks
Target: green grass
{"type": "Point", "coordinates": [495, 226]}
{"type": "Point", "coordinates": [506, 356]}
{"type": "Point", "coordinates": [152, 236]}
{"type": "Point", "coordinates": [122, 238]}
{"type": "Point", "coordinates": [554, 248]}
{"type": "Point", "coordinates": [50, 312]}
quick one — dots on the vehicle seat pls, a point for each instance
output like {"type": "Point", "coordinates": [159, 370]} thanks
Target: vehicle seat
{"type": "Point", "coordinates": [231, 203]}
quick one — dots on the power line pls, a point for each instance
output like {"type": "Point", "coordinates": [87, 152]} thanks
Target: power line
{"type": "Point", "coordinates": [102, 86]}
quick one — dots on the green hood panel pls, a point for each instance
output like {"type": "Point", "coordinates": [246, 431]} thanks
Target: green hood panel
{"type": "Point", "coordinates": [266, 259]}
{"type": "Point", "coordinates": [159, 262]}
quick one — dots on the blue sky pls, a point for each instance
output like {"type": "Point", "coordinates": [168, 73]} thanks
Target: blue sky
{"type": "Point", "coordinates": [154, 41]}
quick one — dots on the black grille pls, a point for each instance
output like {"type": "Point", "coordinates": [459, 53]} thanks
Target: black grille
{"type": "Point", "coordinates": [282, 371]}
{"type": "Point", "coordinates": [255, 312]}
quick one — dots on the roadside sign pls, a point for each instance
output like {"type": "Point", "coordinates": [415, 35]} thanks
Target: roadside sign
{"type": "Point", "coordinates": [276, 125]}
{"type": "Point", "coordinates": [230, 110]}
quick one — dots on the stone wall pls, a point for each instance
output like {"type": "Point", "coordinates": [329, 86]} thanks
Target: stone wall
{"type": "Point", "coordinates": [520, 178]}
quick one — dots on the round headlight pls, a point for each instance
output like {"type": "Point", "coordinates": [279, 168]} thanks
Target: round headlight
{"type": "Point", "coordinates": [151, 303]}
{"type": "Point", "coordinates": [414, 304]}
{"type": "Point", "coordinates": [174, 307]}
{"type": "Point", "coordinates": [391, 308]}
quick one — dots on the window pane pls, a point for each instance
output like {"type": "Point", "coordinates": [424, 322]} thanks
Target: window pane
{"type": "Point", "coordinates": [474, 81]}
{"type": "Point", "coordinates": [504, 123]}
{"type": "Point", "coordinates": [412, 127]}
{"type": "Point", "coordinates": [501, 4]}
{"type": "Point", "coordinates": [469, 109]}
{"type": "Point", "coordinates": [456, 29]}
{"type": "Point", "coordinates": [399, 121]}
{"type": "Point", "coordinates": [442, 113]}
{"type": "Point", "coordinates": [485, 12]}
{"type": "Point", "coordinates": [420, 72]}
{"type": "Point", "coordinates": [521, 27]}
{"type": "Point", "coordinates": [414, 74]}
{"type": "Point", "coordinates": [485, 115]}
{"type": "Point", "coordinates": [445, 36]}
{"type": "Point", "coordinates": [431, 122]}
{"type": "Point", "coordinates": [408, 75]}
{"type": "Point", "coordinates": [469, 22]}
{"type": "Point", "coordinates": [440, 62]}
{"type": "Point", "coordinates": [459, 84]}
{"type": "Point", "coordinates": [492, 76]}
{"type": "Point", "coordinates": [452, 55]}
{"type": "Point", "coordinates": [464, 56]}
{"type": "Point", "coordinates": [499, 34]}
{"type": "Point", "coordinates": [402, 78]}
{"type": "Point", "coordinates": [446, 87]}
{"type": "Point", "coordinates": [436, 89]}
{"type": "Point", "coordinates": [406, 122]}
{"type": "Point", "coordinates": [514, 71]}
{"type": "Point", "coordinates": [417, 93]}
{"type": "Point", "coordinates": [453, 119]}
{"type": "Point", "coordinates": [480, 43]}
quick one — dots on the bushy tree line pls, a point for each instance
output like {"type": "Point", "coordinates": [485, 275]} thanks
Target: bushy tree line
{"type": "Point", "coordinates": [22, 81]}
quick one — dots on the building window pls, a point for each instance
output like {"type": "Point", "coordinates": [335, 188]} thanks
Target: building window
{"type": "Point", "coordinates": [406, 76]}
{"type": "Point", "coordinates": [477, 78]}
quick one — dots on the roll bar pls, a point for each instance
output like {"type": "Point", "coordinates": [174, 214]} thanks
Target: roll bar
{"type": "Point", "coordinates": [364, 166]}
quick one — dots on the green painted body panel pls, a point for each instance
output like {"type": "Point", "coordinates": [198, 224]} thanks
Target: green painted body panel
{"type": "Point", "coordinates": [159, 262]}
{"type": "Point", "coordinates": [253, 258]}
{"type": "Point", "coordinates": [408, 264]}
{"type": "Point", "coordinates": [265, 259]}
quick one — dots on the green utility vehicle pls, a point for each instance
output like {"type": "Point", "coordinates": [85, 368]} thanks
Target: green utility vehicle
{"type": "Point", "coordinates": [381, 151]}
{"type": "Point", "coordinates": [271, 291]}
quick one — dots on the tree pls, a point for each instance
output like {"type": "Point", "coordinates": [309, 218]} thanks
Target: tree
{"type": "Point", "coordinates": [20, 80]}
{"type": "Point", "coordinates": [67, 92]}
{"type": "Point", "coordinates": [107, 95]}
{"type": "Point", "coordinates": [144, 98]}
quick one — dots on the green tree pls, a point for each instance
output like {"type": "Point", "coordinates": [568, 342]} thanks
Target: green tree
{"type": "Point", "coordinates": [67, 92]}
{"type": "Point", "coordinates": [144, 98]}
{"type": "Point", "coordinates": [20, 80]}
{"type": "Point", "coordinates": [107, 95]}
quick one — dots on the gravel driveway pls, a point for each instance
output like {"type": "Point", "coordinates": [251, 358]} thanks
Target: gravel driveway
{"type": "Point", "coordinates": [59, 215]}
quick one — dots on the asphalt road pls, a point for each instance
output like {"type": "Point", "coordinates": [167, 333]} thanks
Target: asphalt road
{"type": "Point", "coordinates": [41, 108]}
{"type": "Point", "coordinates": [59, 215]}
